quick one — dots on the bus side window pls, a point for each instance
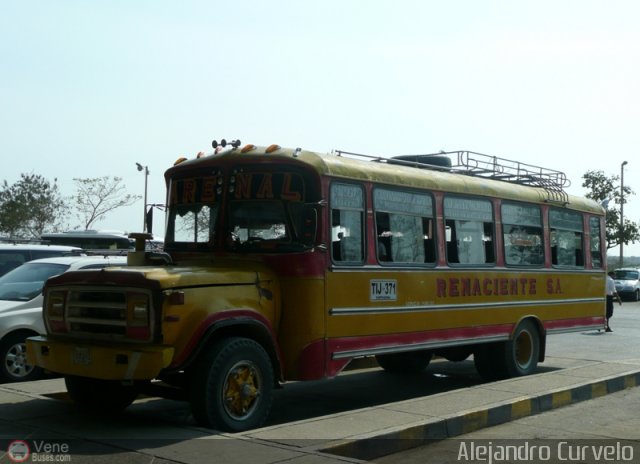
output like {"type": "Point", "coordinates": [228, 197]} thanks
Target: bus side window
{"type": "Point", "coordinates": [566, 237]}
{"type": "Point", "coordinates": [596, 252]}
{"type": "Point", "coordinates": [347, 223]}
{"type": "Point", "coordinates": [470, 227]}
{"type": "Point", "coordinates": [522, 234]}
{"type": "Point", "coordinates": [404, 223]}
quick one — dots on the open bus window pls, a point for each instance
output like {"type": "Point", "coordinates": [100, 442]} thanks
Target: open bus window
{"type": "Point", "coordinates": [522, 235]}
{"type": "Point", "coordinates": [192, 223]}
{"type": "Point", "coordinates": [596, 242]}
{"type": "Point", "coordinates": [566, 238]}
{"type": "Point", "coordinates": [347, 223]}
{"type": "Point", "coordinates": [469, 225]}
{"type": "Point", "coordinates": [404, 227]}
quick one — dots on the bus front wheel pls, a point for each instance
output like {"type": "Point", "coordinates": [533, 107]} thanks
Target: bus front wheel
{"type": "Point", "coordinates": [232, 386]}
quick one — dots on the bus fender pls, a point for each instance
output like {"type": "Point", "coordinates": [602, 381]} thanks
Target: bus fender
{"type": "Point", "coordinates": [233, 326]}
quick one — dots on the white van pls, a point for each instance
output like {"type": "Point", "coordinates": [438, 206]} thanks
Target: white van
{"type": "Point", "coordinates": [628, 283]}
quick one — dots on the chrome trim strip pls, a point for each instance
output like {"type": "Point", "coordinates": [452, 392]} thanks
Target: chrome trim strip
{"type": "Point", "coordinates": [456, 307]}
{"type": "Point", "coordinates": [580, 328]}
{"type": "Point", "coordinates": [416, 347]}
{"type": "Point", "coordinates": [431, 268]}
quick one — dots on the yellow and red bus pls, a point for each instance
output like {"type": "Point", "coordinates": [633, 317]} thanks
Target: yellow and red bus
{"type": "Point", "coordinates": [286, 264]}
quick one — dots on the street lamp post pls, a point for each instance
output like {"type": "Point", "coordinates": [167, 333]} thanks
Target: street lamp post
{"type": "Point", "coordinates": [144, 206]}
{"type": "Point", "coordinates": [621, 211]}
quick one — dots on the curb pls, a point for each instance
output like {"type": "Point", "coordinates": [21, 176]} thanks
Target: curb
{"type": "Point", "coordinates": [402, 439]}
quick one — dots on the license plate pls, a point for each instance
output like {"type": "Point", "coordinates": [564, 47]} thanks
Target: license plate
{"type": "Point", "coordinates": [81, 355]}
{"type": "Point", "coordinates": [383, 290]}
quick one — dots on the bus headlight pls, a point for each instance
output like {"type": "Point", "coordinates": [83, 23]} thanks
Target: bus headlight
{"type": "Point", "coordinates": [138, 316]}
{"type": "Point", "coordinates": [54, 311]}
{"type": "Point", "coordinates": [138, 310]}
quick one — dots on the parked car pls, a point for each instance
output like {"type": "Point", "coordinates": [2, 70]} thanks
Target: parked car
{"type": "Point", "coordinates": [92, 240]}
{"type": "Point", "coordinates": [21, 308]}
{"type": "Point", "coordinates": [13, 255]}
{"type": "Point", "coordinates": [627, 283]}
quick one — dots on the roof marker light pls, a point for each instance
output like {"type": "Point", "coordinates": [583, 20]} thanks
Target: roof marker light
{"type": "Point", "coordinates": [272, 148]}
{"type": "Point", "coordinates": [248, 148]}
{"type": "Point", "coordinates": [180, 160]}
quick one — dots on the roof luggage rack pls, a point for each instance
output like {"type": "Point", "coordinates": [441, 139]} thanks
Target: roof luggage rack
{"type": "Point", "coordinates": [479, 165]}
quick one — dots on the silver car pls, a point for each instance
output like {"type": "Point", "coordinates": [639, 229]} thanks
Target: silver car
{"type": "Point", "coordinates": [21, 308]}
{"type": "Point", "coordinates": [627, 283]}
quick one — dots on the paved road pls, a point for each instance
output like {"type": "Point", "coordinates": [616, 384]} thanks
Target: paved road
{"type": "Point", "coordinates": [308, 416]}
{"type": "Point", "coordinates": [609, 421]}
{"type": "Point", "coordinates": [576, 433]}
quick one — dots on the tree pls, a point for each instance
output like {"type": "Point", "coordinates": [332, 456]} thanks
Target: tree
{"type": "Point", "coordinates": [606, 191]}
{"type": "Point", "coordinates": [31, 206]}
{"type": "Point", "coordinates": [98, 196]}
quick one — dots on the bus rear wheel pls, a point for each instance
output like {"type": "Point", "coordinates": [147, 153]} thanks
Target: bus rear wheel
{"type": "Point", "coordinates": [232, 386]}
{"type": "Point", "coordinates": [513, 358]}
{"type": "Point", "coordinates": [523, 350]}
{"type": "Point", "coordinates": [405, 363]}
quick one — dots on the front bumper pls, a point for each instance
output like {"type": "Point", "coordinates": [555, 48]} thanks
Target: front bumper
{"type": "Point", "coordinates": [74, 357]}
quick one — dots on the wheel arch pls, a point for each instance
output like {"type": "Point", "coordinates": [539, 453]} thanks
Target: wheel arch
{"type": "Point", "coordinates": [238, 327]}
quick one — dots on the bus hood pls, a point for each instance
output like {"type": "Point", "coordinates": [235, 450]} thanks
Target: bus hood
{"type": "Point", "coordinates": [168, 277]}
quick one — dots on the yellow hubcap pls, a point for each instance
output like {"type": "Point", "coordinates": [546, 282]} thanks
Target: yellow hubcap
{"type": "Point", "coordinates": [241, 390]}
{"type": "Point", "coordinates": [524, 349]}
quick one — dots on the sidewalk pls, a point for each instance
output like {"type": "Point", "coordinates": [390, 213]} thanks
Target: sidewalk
{"type": "Point", "coordinates": [34, 410]}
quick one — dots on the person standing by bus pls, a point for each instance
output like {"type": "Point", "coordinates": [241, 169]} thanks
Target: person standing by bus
{"type": "Point", "coordinates": [611, 295]}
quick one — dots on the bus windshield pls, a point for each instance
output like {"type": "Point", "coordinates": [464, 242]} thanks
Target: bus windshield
{"type": "Point", "coordinates": [192, 223]}
{"type": "Point", "coordinates": [257, 221]}
{"type": "Point", "coordinates": [251, 209]}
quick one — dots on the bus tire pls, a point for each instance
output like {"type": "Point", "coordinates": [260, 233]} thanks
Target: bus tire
{"type": "Point", "coordinates": [104, 396]}
{"type": "Point", "coordinates": [405, 363]}
{"type": "Point", "coordinates": [232, 386]}
{"type": "Point", "coordinates": [521, 352]}
{"type": "Point", "coordinates": [513, 358]}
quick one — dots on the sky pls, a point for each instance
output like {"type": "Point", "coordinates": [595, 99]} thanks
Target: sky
{"type": "Point", "coordinates": [90, 88]}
